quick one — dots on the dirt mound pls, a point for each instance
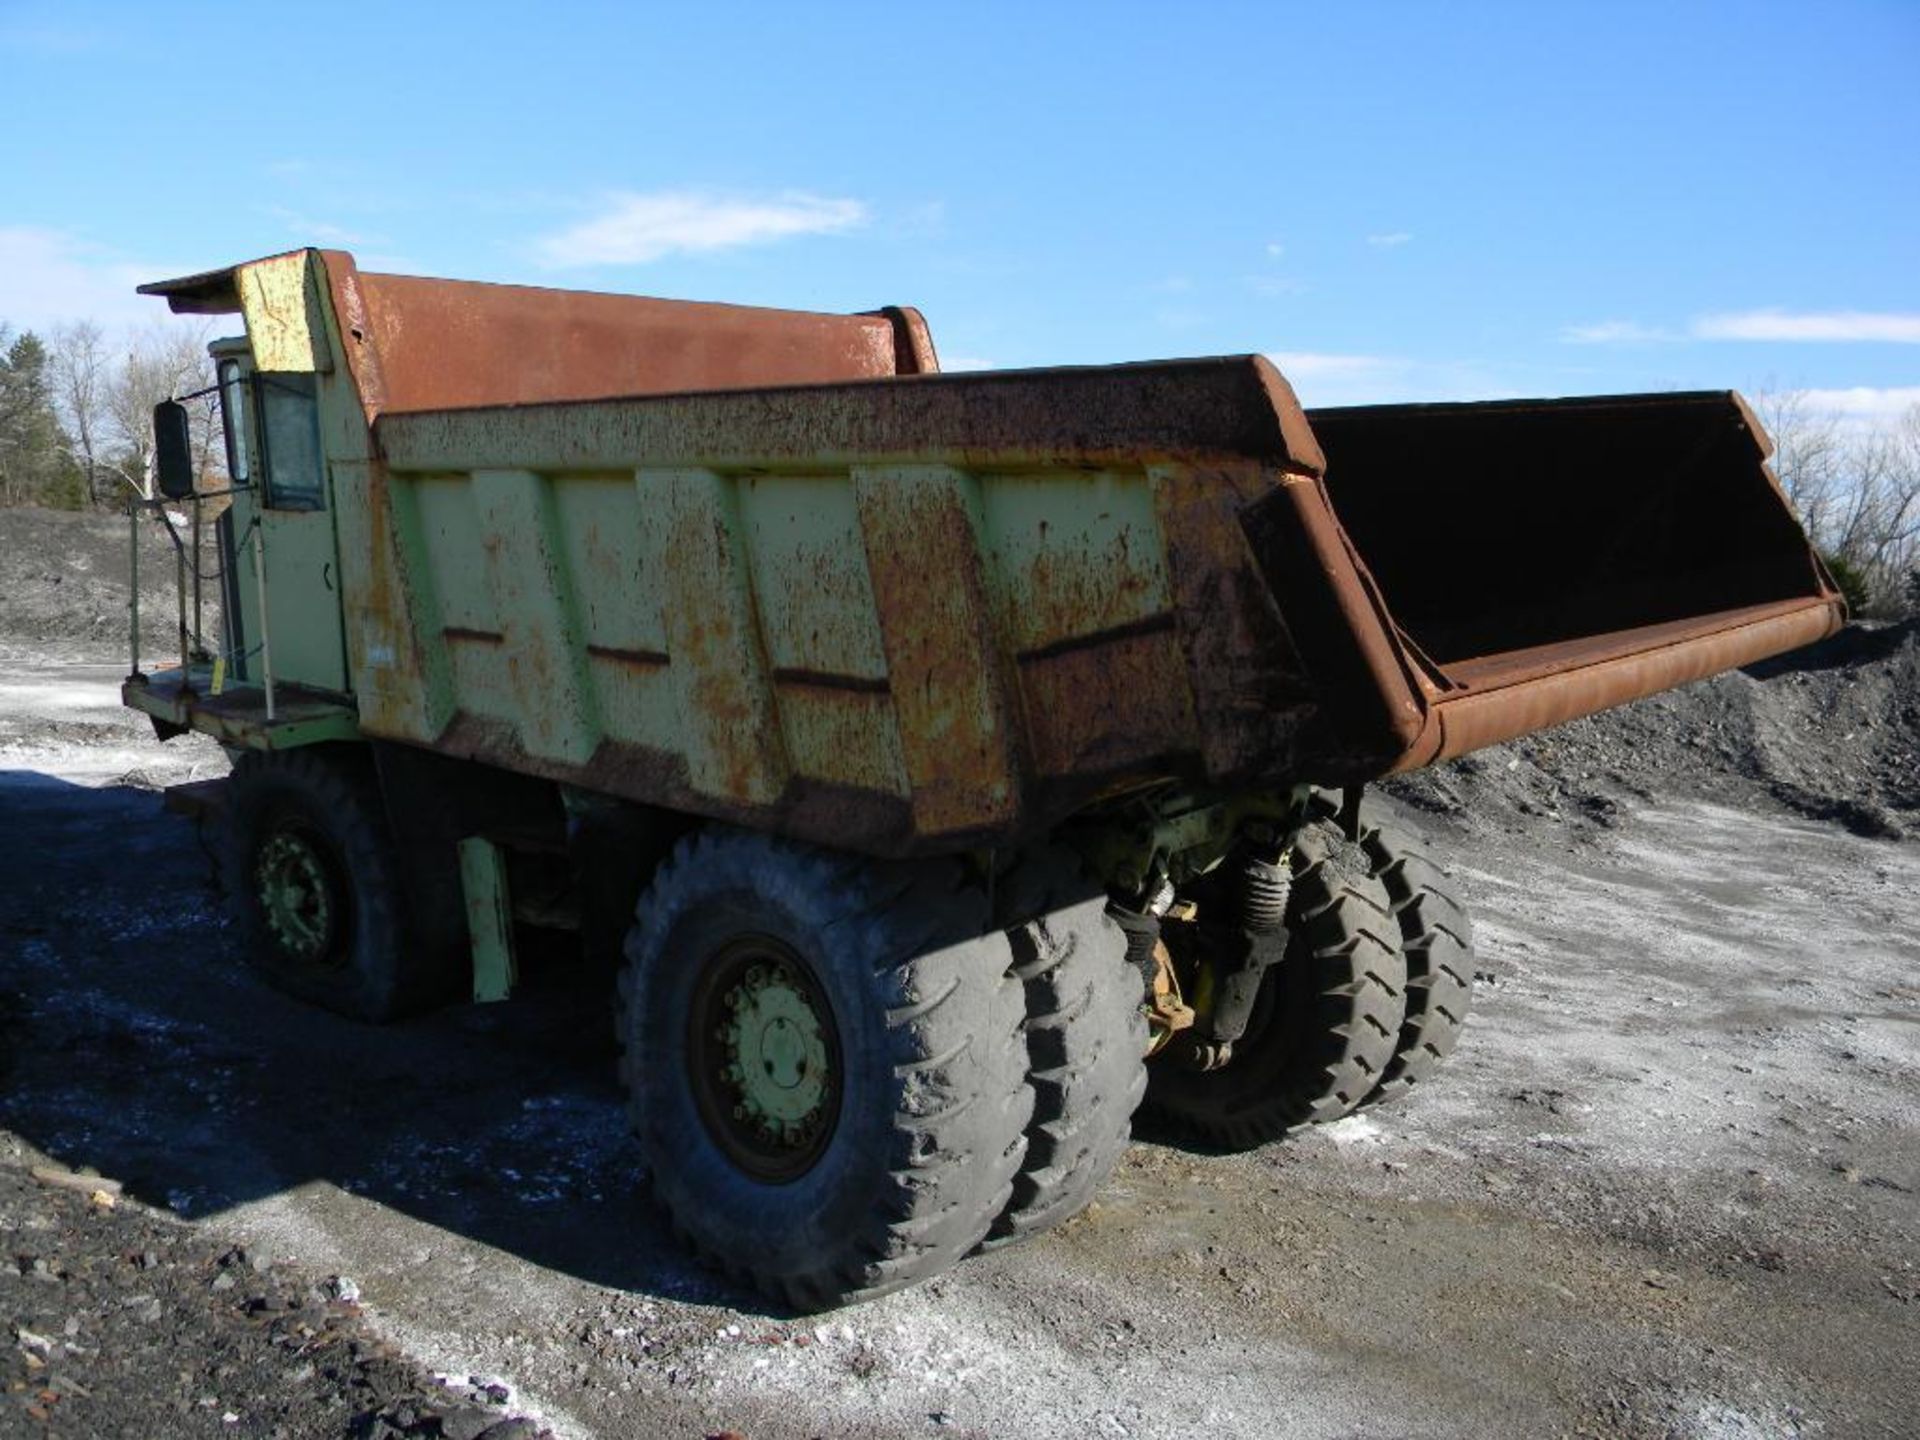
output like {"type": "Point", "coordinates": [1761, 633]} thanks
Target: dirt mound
{"type": "Point", "coordinates": [1831, 732]}
{"type": "Point", "coordinates": [64, 584]}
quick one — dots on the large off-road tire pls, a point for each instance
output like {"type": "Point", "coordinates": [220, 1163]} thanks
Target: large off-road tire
{"type": "Point", "coordinates": [1436, 936]}
{"type": "Point", "coordinates": [1327, 1020]}
{"type": "Point", "coordinates": [308, 865]}
{"type": "Point", "coordinates": [824, 1063]}
{"type": "Point", "coordinates": [1086, 1039]}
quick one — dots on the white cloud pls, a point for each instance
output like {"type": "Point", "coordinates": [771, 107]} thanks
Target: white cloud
{"type": "Point", "coordinates": [382, 262]}
{"type": "Point", "coordinates": [321, 232]}
{"type": "Point", "coordinates": [1331, 378]}
{"type": "Point", "coordinates": [1831, 325]}
{"type": "Point", "coordinates": [1615, 332]}
{"type": "Point", "coordinates": [638, 228]}
{"type": "Point", "coordinates": [1866, 404]}
{"type": "Point", "coordinates": [1181, 317]}
{"type": "Point", "coordinates": [49, 278]}
{"type": "Point", "coordinates": [1390, 240]}
{"type": "Point", "coordinates": [1840, 326]}
{"type": "Point", "coordinates": [1314, 363]}
{"type": "Point", "coordinates": [1272, 286]}
{"type": "Point", "coordinates": [1275, 250]}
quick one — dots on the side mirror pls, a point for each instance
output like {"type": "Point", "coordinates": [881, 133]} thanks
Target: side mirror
{"type": "Point", "coordinates": [172, 450]}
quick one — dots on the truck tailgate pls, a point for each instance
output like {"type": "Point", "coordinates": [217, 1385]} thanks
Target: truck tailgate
{"type": "Point", "coordinates": [1512, 565]}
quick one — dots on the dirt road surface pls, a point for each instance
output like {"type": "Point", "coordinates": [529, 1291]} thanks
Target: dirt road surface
{"type": "Point", "coordinates": [1670, 1186]}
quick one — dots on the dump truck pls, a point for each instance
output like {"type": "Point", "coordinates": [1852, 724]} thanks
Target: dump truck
{"type": "Point", "coordinates": [944, 764]}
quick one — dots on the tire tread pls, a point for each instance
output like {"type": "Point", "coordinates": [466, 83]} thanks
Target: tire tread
{"type": "Point", "coordinates": [1085, 1036]}
{"type": "Point", "coordinates": [961, 1099]}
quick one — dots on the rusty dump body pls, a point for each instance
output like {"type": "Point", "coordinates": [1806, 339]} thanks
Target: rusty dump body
{"type": "Point", "coordinates": [1529, 562]}
{"type": "Point", "coordinates": [774, 568]}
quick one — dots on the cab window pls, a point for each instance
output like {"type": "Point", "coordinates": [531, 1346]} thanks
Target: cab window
{"type": "Point", "coordinates": [290, 442]}
{"type": "Point", "coordinates": [234, 418]}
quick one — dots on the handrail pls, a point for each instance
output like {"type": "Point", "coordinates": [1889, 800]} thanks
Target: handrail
{"type": "Point", "coordinates": [193, 639]}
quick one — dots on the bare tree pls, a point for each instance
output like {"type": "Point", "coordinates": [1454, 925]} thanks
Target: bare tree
{"type": "Point", "coordinates": [1892, 542]}
{"type": "Point", "coordinates": [80, 380]}
{"type": "Point", "coordinates": [9, 489]}
{"type": "Point", "coordinates": [1857, 490]}
{"type": "Point", "coordinates": [161, 363]}
{"type": "Point", "coordinates": [1809, 455]}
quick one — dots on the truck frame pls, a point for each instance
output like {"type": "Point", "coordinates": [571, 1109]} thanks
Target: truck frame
{"type": "Point", "coordinates": [946, 762]}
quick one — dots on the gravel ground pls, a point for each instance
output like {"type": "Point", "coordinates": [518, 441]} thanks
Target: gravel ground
{"type": "Point", "coordinates": [125, 1322]}
{"type": "Point", "coordinates": [1667, 1187]}
{"type": "Point", "coordinates": [63, 585]}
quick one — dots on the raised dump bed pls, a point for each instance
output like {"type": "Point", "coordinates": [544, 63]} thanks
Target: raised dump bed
{"type": "Point", "coordinates": [711, 611]}
{"type": "Point", "coordinates": [1539, 560]}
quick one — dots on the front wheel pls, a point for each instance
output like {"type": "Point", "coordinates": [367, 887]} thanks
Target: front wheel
{"type": "Point", "coordinates": [308, 863]}
{"type": "Point", "coordinates": [824, 1064]}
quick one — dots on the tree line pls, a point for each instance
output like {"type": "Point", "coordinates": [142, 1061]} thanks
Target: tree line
{"type": "Point", "coordinates": [76, 433]}
{"type": "Point", "coordinates": [76, 413]}
{"type": "Point", "coordinates": [1857, 490]}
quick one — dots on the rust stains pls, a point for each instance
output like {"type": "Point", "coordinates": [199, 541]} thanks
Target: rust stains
{"type": "Point", "coordinates": [1116, 701]}
{"type": "Point", "coordinates": [1159, 624]}
{"type": "Point", "coordinates": [945, 662]}
{"type": "Point", "coordinates": [639, 659]}
{"type": "Point", "coordinates": [1118, 416]}
{"type": "Point", "coordinates": [1250, 689]}
{"type": "Point", "coordinates": [727, 719]}
{"type": "Point", "coordinates": [1527, 562]}
{"type": "Point", "coordinates": [1566, 686]}
{"type": "Point", "coordinates": [913, 352]}
{"type": "Point", "coordinates": [451, 344]}
{"type": "Point", "coordinates": [825, 680]}
{"type": "Point", "coordinates": [1320, 598]}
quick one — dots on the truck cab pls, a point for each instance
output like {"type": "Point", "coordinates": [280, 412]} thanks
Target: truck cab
{"type": "Point", "coordinates": [282, 504]}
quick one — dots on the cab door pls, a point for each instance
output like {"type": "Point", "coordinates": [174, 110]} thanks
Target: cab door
{"type": "Point", "coordinates": [304, 623]}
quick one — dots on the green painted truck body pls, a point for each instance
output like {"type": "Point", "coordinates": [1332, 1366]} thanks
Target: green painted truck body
{"type": "Point", "coordinates": [773, 568]}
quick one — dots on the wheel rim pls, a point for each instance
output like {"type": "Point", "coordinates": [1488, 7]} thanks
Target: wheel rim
{"type": "Point", "coordinates": [764, 1058]}
{"type": "Point", "coordinates": [299, 896]}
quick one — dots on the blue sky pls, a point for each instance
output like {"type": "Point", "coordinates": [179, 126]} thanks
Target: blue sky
{"type": "Point", "coordinates": [1396, 201]}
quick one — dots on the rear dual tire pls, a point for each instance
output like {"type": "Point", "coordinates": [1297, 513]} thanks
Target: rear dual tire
{"type": "Point", "coordinates": [1327, 1020]}
{"type": "Point", "coordinates": [822, 1189]}
{"type": "Point", "coordinates": [1086, 1039]}
{"type": "Point", "coordinates": [1436, 936]}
